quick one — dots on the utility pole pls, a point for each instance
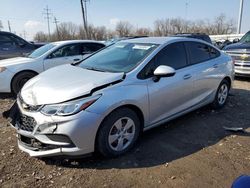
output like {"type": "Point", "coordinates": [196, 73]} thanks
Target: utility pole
{"type": "Point", "coordinates": [240, 17]}
{"type": "Point", "coordinates": [57, 31]}
{"type": "Point", "coordinates": [84, 16]}
{"type": "Point", "coordinates": [186, 10]}
{"type": "Point", "coordinates": [47, 13]}
{"type": "Point", "coordinates": [9, 26]}
{"type": "Point", "coordinates": [186, 16]}
{"type": "Point", "coordinates": [86, 13]}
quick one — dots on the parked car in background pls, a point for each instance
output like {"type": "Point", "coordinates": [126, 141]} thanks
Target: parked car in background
{"type": "Point", "coordinates": [201, 36]}
{"type": "Point", "coordinates": [240, 52]}
{"type": "Point", "coordinates": [12, 45]}
{"type": "Point", "coordinates": [105, 102]}
{"type": "Point", "coordinates": [222, 44]}
{"type": "Point", "coordinates": [15, 72]}
{"type": "Point", "coordinates": [115, 40]}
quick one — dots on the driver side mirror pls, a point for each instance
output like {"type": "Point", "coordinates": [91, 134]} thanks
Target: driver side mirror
{"type": "Point", "coordinates": [236, 40]}
{"type": "Point", "coordinates": [163, 71]}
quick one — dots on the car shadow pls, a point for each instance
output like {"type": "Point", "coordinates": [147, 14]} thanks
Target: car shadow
{"type": "Point", "coordinates": [241, 78]}
{"type": "Point", "coordinates": [174, 140]}
{"type": "Point", "coordinates": [6, 96]}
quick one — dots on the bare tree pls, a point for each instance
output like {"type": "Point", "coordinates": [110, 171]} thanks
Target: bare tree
{"type": "Point", "coordinates": [68, 30]}
{"type": "Point", "coordinates": [223, 26]}
{"type": "Point", "coordinates": [162, 27]}
{"type": "Point", "coordinates": [124, 28]}
{"type": "Point", "coordinates": [143, 31]}
{"type": "Point", "coordinates": [1, 25]}
{"type": "Point", "coordinates": [41, 37]}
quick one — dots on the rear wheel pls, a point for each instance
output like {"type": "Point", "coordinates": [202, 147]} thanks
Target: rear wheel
{"type": "Point", "coordinates": [118, 133]}
{"type": "Point", "coordinates": [221, 95]}
{"type": "Point", "coordinates": [19, 80]}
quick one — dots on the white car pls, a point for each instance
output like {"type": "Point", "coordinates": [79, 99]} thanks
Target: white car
{"type": "Point", "coordinates": [15, 72]}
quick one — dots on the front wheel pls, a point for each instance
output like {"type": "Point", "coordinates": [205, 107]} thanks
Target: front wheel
{"type": "Point", "coordinates": [221, 95]}
{"type": "Point", "coordinates": [118, 132]}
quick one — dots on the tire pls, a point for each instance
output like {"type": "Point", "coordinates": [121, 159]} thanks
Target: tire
{"type": "Point", "coordinates": [19, 80]}
{"type": "Point", "coordinates": [113, 138]}
{"type": "Point", "coordinates": [221, 95]}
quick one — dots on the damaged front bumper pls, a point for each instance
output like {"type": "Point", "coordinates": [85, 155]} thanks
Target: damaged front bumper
{"type": "Point", "coordinates": [45, 136]}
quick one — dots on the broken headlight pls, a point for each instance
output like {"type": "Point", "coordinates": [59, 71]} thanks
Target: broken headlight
{"type": "Point", "coordinates": [69, 108]}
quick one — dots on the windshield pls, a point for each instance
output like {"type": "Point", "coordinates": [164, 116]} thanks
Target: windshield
{"type": "Point", "coordinates": [120, 57]}
{"type": "Point", "coordinates": [40, 51]}
{"type": "Point", "coordinates": [246, 37]}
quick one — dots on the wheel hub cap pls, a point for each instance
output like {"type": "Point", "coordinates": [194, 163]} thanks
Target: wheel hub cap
{"type": "Point", "coordinates": [222, 95]}
{"type": "Point", "coordinates": [121, 134]}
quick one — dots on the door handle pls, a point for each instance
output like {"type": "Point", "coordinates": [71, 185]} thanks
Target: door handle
{"type": "Point", "coordinates": [187, 76]}
{"type": "Point", "coordinates": [215, 66]}
{"type": "Point", "coordinates": [76, 59]}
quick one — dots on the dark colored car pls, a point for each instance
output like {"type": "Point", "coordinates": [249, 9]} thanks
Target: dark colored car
{"type": "Point", "coordinates": [12, 45]}
{"type": "Point", "coordinates": [240, 52]}
{"type": "Point", "coordinates": [201, 36]}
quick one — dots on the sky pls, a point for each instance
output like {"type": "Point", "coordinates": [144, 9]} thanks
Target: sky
{"type": "Point", "coordinates": [26, 16]}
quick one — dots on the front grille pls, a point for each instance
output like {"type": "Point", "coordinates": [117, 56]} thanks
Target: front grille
{"type": "Point", "coordinates": [35, 144]}
{"type": "Point", "coordinates": [26, 123]}
{"type": "Point", "coordinates": [240, 56]}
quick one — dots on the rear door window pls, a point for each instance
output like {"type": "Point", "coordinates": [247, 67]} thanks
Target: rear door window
{"type": "Point", "coordinates": [91, 47]}
{"type": "Point", "coordinates": [6, 42]}
{"type": "Point", "coordinates": [199, 52]}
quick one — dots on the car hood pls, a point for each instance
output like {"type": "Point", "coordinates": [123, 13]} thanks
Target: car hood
{"type": "Point", "coordinates": [238, 47]}
{"type": "Point", "coordinates": [14, 61]}
{"type": "Point", "coordinates": [64, 83]}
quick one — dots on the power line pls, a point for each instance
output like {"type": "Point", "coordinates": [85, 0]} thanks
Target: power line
{"type": "Point", "coordinates": [47, 14]}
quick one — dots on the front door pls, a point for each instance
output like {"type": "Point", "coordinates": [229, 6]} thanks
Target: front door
{"type": "Point", "coordinates": [64, 55]}
{"type": "Point", "coordinates": [171, 95]}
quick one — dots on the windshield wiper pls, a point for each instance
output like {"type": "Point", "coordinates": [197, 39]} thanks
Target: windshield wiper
{"type": "Point", "coordinates": [95, 69]}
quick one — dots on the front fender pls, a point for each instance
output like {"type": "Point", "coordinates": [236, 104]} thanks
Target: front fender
{"type": "Point", "coordinates": [116, 97]}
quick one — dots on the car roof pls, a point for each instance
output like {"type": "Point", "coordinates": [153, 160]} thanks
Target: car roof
{"type": "Point", "coordinates": [6, 32]}
{"type": "Point", "coordinates": [159, 40]}
{"type": "Point", "coordinates": [76, 41]}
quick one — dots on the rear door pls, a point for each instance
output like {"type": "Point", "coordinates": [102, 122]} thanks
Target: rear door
{"type": "Point", "coordinates": [8, 47]}
{"type": "Point", "coordinates": [63, 55]}
{"type": "Point", "coordinates": [205, 68]}
{"type": "Point", "coordinates": [170, 95]}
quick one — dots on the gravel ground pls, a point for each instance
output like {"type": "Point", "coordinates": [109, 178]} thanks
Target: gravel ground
{"type": "Point", "coordinates": [191, 151]}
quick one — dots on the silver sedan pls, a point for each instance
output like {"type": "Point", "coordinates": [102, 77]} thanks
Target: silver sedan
{"type": "Point", "coordinates": [104, 103]}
